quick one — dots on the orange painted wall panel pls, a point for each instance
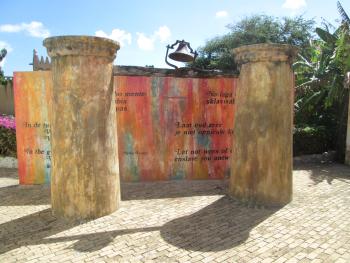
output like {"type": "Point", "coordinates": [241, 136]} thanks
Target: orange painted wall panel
{"type": "Point", "coordinates": [32, 94]}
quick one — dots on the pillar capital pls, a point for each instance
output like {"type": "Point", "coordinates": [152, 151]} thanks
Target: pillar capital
{"type": "Point", "coordinates": [81, 46]}
{"type": "Point", "coordinates": [265, 53]}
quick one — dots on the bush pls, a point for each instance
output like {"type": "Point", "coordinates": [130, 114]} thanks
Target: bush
{"type": "Point", "coordinates": [7, 136]}
{"type": "Point", "coordinates": [311, 140]}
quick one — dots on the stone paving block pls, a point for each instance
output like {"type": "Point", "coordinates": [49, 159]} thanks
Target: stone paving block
{"type": "Point", "coordinates": [267, 260]}
{"type": "Point", "coordinates": [175, 222]}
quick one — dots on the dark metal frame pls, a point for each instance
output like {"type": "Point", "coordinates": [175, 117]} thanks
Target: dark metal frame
{"type": "Point", "coordinates": [172, 47]}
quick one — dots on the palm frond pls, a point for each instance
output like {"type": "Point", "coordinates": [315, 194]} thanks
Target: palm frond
{"type": "Point", "coordinates": [299, 64]}
{"type": "Point", "coordinates": [311, 84]}
{"type": "Point", "coordinates": [343, 14]}
{"type": "Point", "coordinates": [326, 36]}
{"type": "Point", "coordinates": [313, 99]}
{"type": "Point", "coordinates": [303, 61]}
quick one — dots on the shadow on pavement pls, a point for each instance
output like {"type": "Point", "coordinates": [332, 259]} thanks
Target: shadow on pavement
{"type": "Point", "coordinates": [96, 241]}
{"type": "Point", "coordinates": [18, 195]}
{"type": "Point", "coordinates": [9, 173]}
{"type": "Point", "coordinates": [30, 230]}
{"type": "Point", "coordinates": [13, 194]}
{"type": "Point", "coordinates": [219, 226]}
{"type": "Point", "coordinates": [37, 228]}
{"type": "Point", "coordinates": [325, 172]}
{"type": "Point", "coordinates": [172, 189]}
{"type": "Point", "coordinates": [222, 225]}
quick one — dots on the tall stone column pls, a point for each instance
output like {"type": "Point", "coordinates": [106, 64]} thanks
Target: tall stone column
{"type": "Point", "coordinates": [85, 169]}
{"type": "Point", "coordinates": [262, 142]}
{"type": "Point", "coordinates": [347, 145]}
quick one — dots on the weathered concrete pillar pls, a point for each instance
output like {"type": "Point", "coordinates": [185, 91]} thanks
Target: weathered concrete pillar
{"type": "Point", "coordinates": [347, 149]}
{"type": "Point", "coordinates": [262, 151]}
{"type": "Point", "coordinates": [85, 170]}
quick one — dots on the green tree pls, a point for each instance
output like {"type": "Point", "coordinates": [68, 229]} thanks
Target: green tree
{"type": "Point", "coordinates": [321, 100]}
{"type": "Point", "coordinates": [3, 53]}
{"type": "Point", "coordinates": [217, 52]}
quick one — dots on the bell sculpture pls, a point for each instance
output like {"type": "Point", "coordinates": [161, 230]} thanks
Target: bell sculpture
{"type": "Point", "coordinates": [183, 53]}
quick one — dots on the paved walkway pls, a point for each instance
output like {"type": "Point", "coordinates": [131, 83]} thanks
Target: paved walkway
{"type": "Point", "coordinates": [190, 221]}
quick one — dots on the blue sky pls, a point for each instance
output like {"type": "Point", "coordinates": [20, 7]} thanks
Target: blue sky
{"type": "Point", "coordinates": [143, 28]}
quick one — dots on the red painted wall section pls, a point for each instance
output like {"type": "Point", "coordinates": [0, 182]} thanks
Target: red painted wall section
{"type": "Point", "coordinates": [174, 128]}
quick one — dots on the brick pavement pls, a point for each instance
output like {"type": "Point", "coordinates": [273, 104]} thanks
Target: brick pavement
{"type": "Point", "coordinates": [183, 221]}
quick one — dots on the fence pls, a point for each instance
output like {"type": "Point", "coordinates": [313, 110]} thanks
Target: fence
{"type": "Point", "coordinates": [6, 99]}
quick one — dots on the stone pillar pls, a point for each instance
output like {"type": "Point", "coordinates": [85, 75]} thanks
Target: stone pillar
{"type": "Point", "coordinates": [85, 169]}
{"type": "Point", "coordinates": [347, 149]}
{"type": "Point", "coordinates": [262, 153]}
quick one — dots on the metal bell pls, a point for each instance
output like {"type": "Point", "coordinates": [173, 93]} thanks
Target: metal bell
{"type": "Point", "coordinates": [182, 54]}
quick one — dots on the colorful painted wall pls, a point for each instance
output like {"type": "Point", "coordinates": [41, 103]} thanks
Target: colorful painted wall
{"type": "Point", "coordinates": [174, 128]}
{"type": "Point", "coordinates": [32, 95]}
{"type": "Point", "coordinates": [168, 127]}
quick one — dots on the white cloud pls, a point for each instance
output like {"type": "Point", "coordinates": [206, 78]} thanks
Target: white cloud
{"type": "Point", "coordinates": [294, 4]}
{"type": "Point", "coordinates": [163, 33]}
{"type": "Point", "coordinates": [34, 29]}
{"type": "Point", "coordinates": [7, 46]}
{"type": "Point", "coordinates": [221, 14]}
{"type": "Point", "coordinates": [119, 35]}
{"type": "Point", "coordinates": [10, 28]}
{"type": "Point", "coordinates": [147, 43]}
{"type": "Point", "coordinates": [37, 29]}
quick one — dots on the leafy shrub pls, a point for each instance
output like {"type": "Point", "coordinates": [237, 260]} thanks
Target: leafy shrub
{"type": "Point", "coordinates": [7, 136]}
{"type": "Point", "coordinates": [311, 140]}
